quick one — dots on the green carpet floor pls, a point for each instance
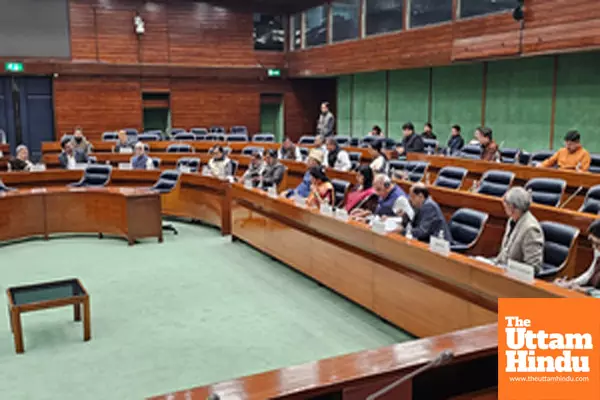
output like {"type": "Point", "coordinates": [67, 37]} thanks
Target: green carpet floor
{"type": "Point", "coordinates": [191, 311]}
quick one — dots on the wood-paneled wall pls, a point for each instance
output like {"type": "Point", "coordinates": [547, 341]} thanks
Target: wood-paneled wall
{"type": "Point", "coordinates": [550, 26]}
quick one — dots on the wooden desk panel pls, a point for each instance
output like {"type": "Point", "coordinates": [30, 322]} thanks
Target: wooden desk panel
{"type": "Point", "coordinates": [21, 215]}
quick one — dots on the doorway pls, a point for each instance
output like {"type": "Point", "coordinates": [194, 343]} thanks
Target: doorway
{"type": "Point", "coordinates": [27, 112]}
{"type": "Point", "coordinates": [271, 115]}
{"type": "Point", "coordinates": [157, 112]}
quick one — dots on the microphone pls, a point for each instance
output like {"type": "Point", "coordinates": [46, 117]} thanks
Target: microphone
{"type": "Point", "coordinates": [442, 358]}
{"type": "Point", "coordinates": [571, 197]}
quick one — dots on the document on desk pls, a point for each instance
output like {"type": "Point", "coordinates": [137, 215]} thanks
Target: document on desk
{"type": "Point", "coordinates": [393, 224]}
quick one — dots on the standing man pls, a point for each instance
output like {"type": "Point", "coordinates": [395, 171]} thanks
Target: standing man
{"type": "Point", "coordinates": [326, 121]}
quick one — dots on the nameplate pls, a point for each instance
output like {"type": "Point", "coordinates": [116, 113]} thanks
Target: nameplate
{"type": "Point", "coordinates": [205, 171]}
{"type": "Point", "coordinates": [378, 226]}
{"type": "Point", "coordinates": [341, 214]}
{"type": "Point", "coordinates": [126, 150]}
{"type": "Point", "coordinates": [272, 191]}
{"type": "Point", "coordinates": [185, 168]}
{"type": "Point", "coordinates": [326, 210]}
{"type": "Point", "coordinates": [38, 190]}
{"type": "Point", "coordinates": [37, 168]}
{"type": "Point", "coordinates": [300, 201]}
{"type": "Point", "coordinates": [125, 166]}
{"type": "Point", "coordinates": [520, 271]}
{"type": "Point", "coordinates": [248, 184]}
{"type": "Point", "coordinates": [439, 245]}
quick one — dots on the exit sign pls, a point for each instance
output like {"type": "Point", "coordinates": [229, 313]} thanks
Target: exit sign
{"type": "Point", "coordinates": [13, 67]}
{"type": "Point", "coordinates": [274, 73]}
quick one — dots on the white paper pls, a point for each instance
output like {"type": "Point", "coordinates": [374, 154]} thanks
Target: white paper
{"type": "Point", "coordinates": [341, 214]}
{"type": "Point", "coordinates": [520, 271]}
{"type": "Point", "coordinates": [326, 210]}
{"type": "Point", "coordinates": [378, 226]}
{"type": "Point", "coordinates": [300, 201]}
{"type": "Point", "coordinates": [125, 166]}
{"type": "Point", "coordinates": [126, 150]}
{"type": "Point", "coordinates": [393, 224]}
{"type": "Point", "coordinates": [248, 184]}
{"type": "Point", "coordinates": [37, 168]}
{"type": "Point", "coordinates": [272, 191]}
{"type": "Point", "coordinates": [440, 246]}
{"type": "Point", "coordinates": [185, 168]}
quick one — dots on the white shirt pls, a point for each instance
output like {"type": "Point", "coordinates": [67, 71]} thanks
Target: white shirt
{"type": "Point", "coordinates": [342, 162]}
{"type": "Point", "coordinates": [378, 165]}
{"type": "Point", "coordinates": [71, 163]}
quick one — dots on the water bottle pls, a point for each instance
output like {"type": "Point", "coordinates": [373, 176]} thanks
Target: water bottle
{"type": "Point", "coordinates": [441, 234]}
{"type": "Point", "coordinates": [408, 233]}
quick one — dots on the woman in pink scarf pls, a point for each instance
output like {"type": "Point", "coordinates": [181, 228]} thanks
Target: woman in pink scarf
{"type": "Point", "coordinates": [362, 190]}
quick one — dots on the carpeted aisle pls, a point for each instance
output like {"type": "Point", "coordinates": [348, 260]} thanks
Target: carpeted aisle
{"type": "Point", "coordinates": [194, 310]}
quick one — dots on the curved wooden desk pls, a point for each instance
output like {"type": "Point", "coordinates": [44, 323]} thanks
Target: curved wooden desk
{"type": "Point", "coordinates": [127, 212]}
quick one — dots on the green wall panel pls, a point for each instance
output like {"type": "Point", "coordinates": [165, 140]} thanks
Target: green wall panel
{"type": "Point", "coordinates": [344, 104]}
{"type": "Point", "coordinates": [578, 99]}
{"type": "Point", "coordinates": [456, 99]}
{"type": "Point", "coordinates": [408, 99]}
{"type": "Point", "coordinates": [519, 102]}
{"type": "Point", "coordinates": [369, 102]}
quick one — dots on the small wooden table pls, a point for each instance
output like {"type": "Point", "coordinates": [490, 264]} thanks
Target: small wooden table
{"type": "Point", "coordinates": [47, 295]}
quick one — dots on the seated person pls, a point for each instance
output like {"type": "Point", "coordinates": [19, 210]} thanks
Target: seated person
{"type": "Point", "coordinates": [336, 157]}
{"type": "Point", "coordinates": [69, 158]}
{"type": "Point", "coordinates": [123, 144]}
{"type": "Point", "coordinates": [315, 159]}
{"type": "Point", "coordinates": [456, 141]}
{"type": "Point", "coordinates": [79, 142]}
{"type": "Point", "coordinates": [380, 160]}
{"type": "Point", "coordinates": [523, 239]}
{"type": "Point", "coordinates": [141, 160]}
{"type": "Point", "coordinates": [289, 151]}
{"type": "Point", "coordinates": [376, 131]}
{"type": "Point", "coordinates": [255, 169]}
{"type": "Point", "coordinates": [590, 279]}
{"type": "Point", "coordinates": [219, 165]}
{"type": "Point", "coordinates": [573, 156]}
{"type": "Point", "coordinates": [273, 172]}
{"type": "Point", "coordinates": [389, 194]}
{"type": "Point", "coordinates": [320, 144]}
{"type": "Point", "coordinates": [21, 161]}
{"type": "Point", "coordinates": [490, 148]}
{"type": "Point", "coordinates": [428, 132]}
{"type": "Point", "coordinates": [362, 190]}
{"type": "Point", "coordinates": [411, 143]}
{"type": "Point", "coordinates": [429, 219]}
{"type": "Point", "coordinates": [321, 189]}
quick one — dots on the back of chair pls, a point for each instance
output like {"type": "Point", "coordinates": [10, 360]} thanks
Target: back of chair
{"type": "Point", "coordinates": [495, 182]}
{"type": "Point", "coordinates": [354, 142]}
{"type": "Point", "coordinates": [180, 148]}
{"type": "Point", "coordinates": [234, 167]}
{"type": "Point", "coordinates": [217, 129]}
{"type": "Point", "coordinates": [150, 136]}
{"type": "Point", "coordinates": [199, 131]}
{"type": "Point", "coordinates": [595, 164]}
{"type": "Point", "coordinates": [188, 136]}
{"type": "Point", "coordinates": [559, 241]}
{"type": "Point", "coordinates": [355, 156]}
{"type": "Point", "coordinates": [342, 141]}
{"type": "Point", "coordinates": [591, 204]}
{"type": "Point", "coordinates": [132, 134]}
{"type": "Point", "coordinates": [250, 150]}
{"type": "Point", "coordinates": [471, 151]}
{"type": "Point", "coordinates": [389, 143]}
{"type": "Point", "coordinates": [546, 191]}
{"type": "Point", "coordinates": [110, 136]}
{"type": "Point", "coordinates": [509, 155]}
{"type": "Point", "coordinates": [539, 156]}
{"type": "Point", "coordinates": [237, 137]}
{"type": "Point", "coordinates": [367, 140]}
{"type": "Point", "coordinates": [451, 177]}
{"type": "Point", "coordinates": [340, 190]}
{"type": "Point", "coordinates": [304, 152]}
{"type": "Point", "coordinates": [175, 131]}
{"type": "Point", "coordinates": [239, 129]}
{"type": "Point", "coordinates": [306, 139]}
{"type": "Point", "coordinates": [156, 162]}
{"type": "Point", "coordinates": [416, 170]}
{"type": "Point", "coordinates": [95, 175]}
{"type": "Point", "coordinates": [524, 157]}
{"type": "Point", "coordinates": [431, 145]}
{"type": "Point", "coordinates": [192, 163]}
{"type": "Point", "coordinates": [166, 181]}
{"type": "Point", "coordinates": [264, 138]}
{"type": "Point", "coordinates": [466, 226]}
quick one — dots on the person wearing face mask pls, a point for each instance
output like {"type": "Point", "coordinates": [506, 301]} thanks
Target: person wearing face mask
{"type": "Point", "coordinates": [326, 121]}
{"type": "Point", "coordinates": [79, 142]}
{"type": "Point", "coordinates": [590, 279]}
{"type": "Point", "coordinates": [219, 164]}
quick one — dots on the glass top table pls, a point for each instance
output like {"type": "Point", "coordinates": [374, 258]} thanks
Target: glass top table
{"type": "Point", "coordinates": [49, 291]}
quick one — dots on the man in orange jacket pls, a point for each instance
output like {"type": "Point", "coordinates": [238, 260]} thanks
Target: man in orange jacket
{"type": "Point", "coordinates": [573, 156]}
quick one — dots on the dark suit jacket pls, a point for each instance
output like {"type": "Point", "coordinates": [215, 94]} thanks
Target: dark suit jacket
{"type": "Point", "coordinates": [80, 157]}
{"type": "Point", "coordinates": [429, 221]}
{"type": "Point", "coordinates": [413, 144]}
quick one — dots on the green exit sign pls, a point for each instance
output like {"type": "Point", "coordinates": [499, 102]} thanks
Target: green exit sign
{"type": "Point", "coordinates": [274, 73]}
{"type": "Point", "coordinates": [13, 67]}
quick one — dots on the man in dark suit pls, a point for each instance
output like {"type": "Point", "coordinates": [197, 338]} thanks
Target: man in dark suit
{"type": "Point", "coordinates": [70, 157]}
{"type": "Point", "coordinates": [411, 143]}
{"type": "Point", "coordinates": [429, 219]}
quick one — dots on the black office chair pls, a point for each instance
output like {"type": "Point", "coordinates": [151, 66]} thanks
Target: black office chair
{"type": "Point", "coordinates": [495, 182]}
{"type": "Point", "coordinates": [355, 158]}
{"type": "Point", "coordinates": [342, 141]}
{"type": "Point", "coordinates": [354, 142]}
{"type": "Point", "coordinates": [367, 140]}
{"type": "Point", "coordinates": [180, 148]}
{"type": "Point", "coordinates": [396, 168]}
{"type": "Point", "coordinates": [540, 156]}
{"type": "Point", "coordinates": [192, 163]}
{"type": "Point", "coordinates": [110, 137]}
{"type": "Point", "coordinates": [165, 184]}
{"type": "Point", "coordinates": [156, 162]}
{"type": "Point", "coordinates": [94, 175]}
{"type": "Point", "coordinates": [509, 155]}
{"type": "Point", "coordinates": [466, 226]}
{"type": "Point", "coordinates": [559, 241]}
{"type": "Point", "coordinates": [188, 136]}
{"type": "Point", "coordinates": [92, 160]}
{"type": "Point", "coordinates": [234, 167]}
{"type": "Point", "coordinates": [591, 204]}
{"type": "Point", "coordinates": [150, 136]}
{"type": "Point", "coordinates": [175, 131]}
{"type": "Point", "coordinates": [304, 152]}
{"type": "Point", "coordinates": [431, 146]}
{"type": "Point", "coordinates": [471, 151]}
{"type": "Point", "coordinates": [416, 170]}
{"type": "Point", "coordinates": [199, 132]}
{"type": "Point", "coordinates": [388, 143]}
{"type": "Point", "coordinates": [595, 164]}
{"type": "Point", "coordinates": [451, 177]}
{"type": "Point", "coordinates": [306, 140]}
{"type": "Point", "coordinates": [250, 150]}
{"type": "Point", "coordinates": [340, 191]}
{"type": "Point", "coordinates": [263, 138]}
{"type": "Point", "coordinates": [524, 157]}
{"type": "Point", "coordinates": [239, 130]}
{"type": "Point", "coordinates": [546, 191]}
{"type": "Point", "coordinates": [4, 188]}
{"type": "Point", "coordinates": [217, 129]}
{"type": "Point", "coordinates": [132, 134]}
{"type": "Point", "coordinates": [237, 137]}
